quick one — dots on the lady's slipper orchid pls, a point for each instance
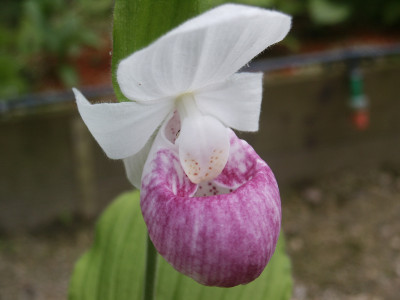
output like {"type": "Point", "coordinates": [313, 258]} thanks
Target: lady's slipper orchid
{"type": "Point", "coordinates": [211, 204]}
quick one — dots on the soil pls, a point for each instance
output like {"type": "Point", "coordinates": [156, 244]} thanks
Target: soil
{"type": "Point", "coordinates": [342, 234]}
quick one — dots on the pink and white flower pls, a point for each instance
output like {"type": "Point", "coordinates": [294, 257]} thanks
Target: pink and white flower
{"type": "Point", "coordinates": [210, 203]}
{"type": "Point", "coordinates": [220, 232]}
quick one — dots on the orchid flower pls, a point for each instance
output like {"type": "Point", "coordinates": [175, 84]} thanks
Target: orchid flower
{"type": "Point", "coordinates": [211, 205]}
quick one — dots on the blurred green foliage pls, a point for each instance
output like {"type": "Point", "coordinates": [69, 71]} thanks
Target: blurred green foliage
{"type": "Point", "coordinates": [379, 13]}
{"type": "Point", "coordinates": [113, 268]}
{"type": "Point", "coordinates": [40, 37]}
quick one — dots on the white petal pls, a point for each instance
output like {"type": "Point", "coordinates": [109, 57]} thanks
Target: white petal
{"type": "Point", "coordinates": [122, 129]}
{"type": "Point", "coordinates": [236, 102]}
{"type": "Point", "coordinates": [203, 147]}
{"type": "Point", "coordinates": [204, 50]}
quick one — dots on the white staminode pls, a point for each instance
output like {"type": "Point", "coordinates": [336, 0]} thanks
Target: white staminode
{"type": "Point", "coordinates": [190, 69]}
{"type": "Point", "coordinates": [205, 159]}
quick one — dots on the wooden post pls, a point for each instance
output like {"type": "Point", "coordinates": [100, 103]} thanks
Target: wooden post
{"type": "Point", "coordinates": [84, 162]}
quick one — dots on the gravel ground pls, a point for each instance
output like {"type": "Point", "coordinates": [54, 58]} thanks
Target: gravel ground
{"type": "Point", "coordinates": [343, 234]}
{"type": "Point", "coordinates": [38, 266]}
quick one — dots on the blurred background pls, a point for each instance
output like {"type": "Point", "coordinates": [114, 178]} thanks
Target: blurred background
{"type": "Point", "coordinates": [330, 130]}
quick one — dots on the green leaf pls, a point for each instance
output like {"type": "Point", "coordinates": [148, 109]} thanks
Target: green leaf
{"type": "Point", "coordinates": [391, 12]}
{"type": "Point", "coordinates": [11, 81]}
{"type": "Point", "coordinates": [325, 12]}
{"type": "Point", "coordinates": [114, 267]}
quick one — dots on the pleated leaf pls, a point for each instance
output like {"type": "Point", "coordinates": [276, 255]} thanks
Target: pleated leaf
{"type": "Point", "coordinates": [114, 267]}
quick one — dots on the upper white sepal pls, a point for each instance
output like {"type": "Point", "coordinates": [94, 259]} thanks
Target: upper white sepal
{"type": "Point", "coordinates": [202, 51]}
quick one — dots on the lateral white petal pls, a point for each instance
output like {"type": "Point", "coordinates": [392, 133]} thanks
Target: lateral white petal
{"type": "Point", "coordinates": [203, 147]}
{"type": "Point", "coordinates": [236, 102]}
{"type": "Point", "coordinates": [204, 50]}
{"type": "Point", "coordinates": [121, 129]}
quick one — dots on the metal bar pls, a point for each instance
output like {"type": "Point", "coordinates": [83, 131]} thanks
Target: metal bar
{"type": "Point", "coordinates": [295, 61]}
{"type": "Point", "coordinates": [35, 100]}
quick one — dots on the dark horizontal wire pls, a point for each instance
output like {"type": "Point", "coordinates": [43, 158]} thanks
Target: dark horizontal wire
{"type": "Point", "coordinates": [260, 65]}
{"type": "Point", "coordinates": [300, 60]}
{"type": "Point", "coordinates": [35, 100]}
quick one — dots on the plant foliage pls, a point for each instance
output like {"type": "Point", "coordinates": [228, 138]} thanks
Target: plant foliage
{"type": "Point", "coordinates": [114, 266]}
{"type": "Point", "coordinates": [40, 37]}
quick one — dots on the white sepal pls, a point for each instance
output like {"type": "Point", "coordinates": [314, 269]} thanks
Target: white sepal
{"type": "Point", "coordinates": [202, 51]}
{"type": "Point", "coordinates": [134, 164]}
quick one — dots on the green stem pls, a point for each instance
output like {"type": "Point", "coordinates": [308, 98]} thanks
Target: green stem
{"type": "Point", "coordinates": [150, 272]}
